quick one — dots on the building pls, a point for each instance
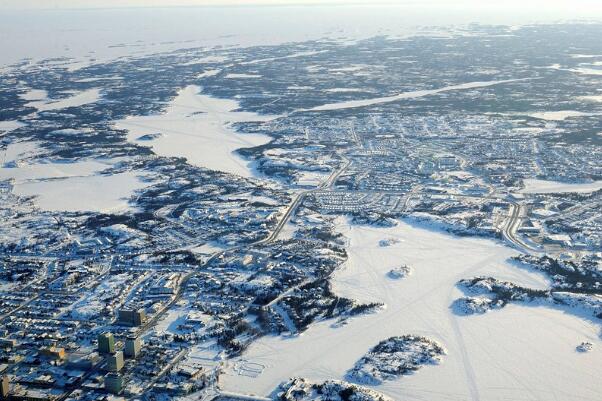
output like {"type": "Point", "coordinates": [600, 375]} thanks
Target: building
{"type": "Point", "coordinates": [53, 353]}
{"type": "Point", "coordinates": [115, 362]}
{"type": "Point", "coordinates": [35, 394]}
{"type": "Point", "coordinates": [128, 317]}
{"type": "Point", "coordinates": [165, 285]}
{"type": "Point", "coordinates": [106, 343]}
{"type": "Point", "coordinates": [7, 343]}
{"type": "Point", "coordinates": [133, 346]}
{"type": "Point", "coordinates": [114, 383]}
{"type": "Point", "coordinates": [82, 361]}
{"type": "Point", "coordinates": [4, 387]}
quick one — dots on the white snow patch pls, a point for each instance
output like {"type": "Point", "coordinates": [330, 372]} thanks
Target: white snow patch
{"type": "Point", "coordinates": [558, 115]}
{"type": "Point", "coordinates": [174, 318]}
{"type": "Point", "coordinates": [343, 90]}
{"type": "Point", "coordinates": [8, 126]}
{"type": "Point", "coordinates": [96, 79]}
{"type": "Point", "coordinates": [16, 151]}
{"type": "Point", "coordinates": [311, 178]}
{"type": "Point", "coordinates": [245, 76]}
{"type": "Point", "coordinates": [34, 94]}
{"type": "Point", "coordinates": [77, 99]}
{"type": "Point", "coordinates": [592, 98]}
{"type": "Point", "coordinates": [208, 73]}
{"type": "Point", "coordinates": [587, 71]}
{"type": "Point", "coordinates": [534, 186]}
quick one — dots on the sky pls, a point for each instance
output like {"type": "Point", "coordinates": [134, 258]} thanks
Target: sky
{"type": "Point", "coordinates": [584, 5]}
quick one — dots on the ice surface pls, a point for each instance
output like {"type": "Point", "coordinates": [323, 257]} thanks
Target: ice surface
{"type": "Point", "coordinates": [195, 126]}
{"type": "Point", "coordinates": [520, 352]}
{"type": "Point", "coordinates": [533, 186]}
{"type": "Point", "coordinates": [406, 95]}
{"type": "Point", "coordinates": [587, 71]}
{"type": "Point", "coordinates": [242, 76]}
{"type": "Point", "coordinates": [558, 115]}
{"type": "Point", "coordinates": [67, 185]}
{"type": "Point", "coordinates": [99, 193]}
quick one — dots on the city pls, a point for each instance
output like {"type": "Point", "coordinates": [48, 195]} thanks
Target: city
{"type": "Point", "coordinates": [132, 266]}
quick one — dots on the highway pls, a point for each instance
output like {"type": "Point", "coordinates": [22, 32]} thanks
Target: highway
{"type": "Point", "coordinates": [511, 226]}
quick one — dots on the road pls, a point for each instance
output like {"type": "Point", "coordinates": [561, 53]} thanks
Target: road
{"type": "Point", "coordinates": [512, 224]}
{"type": "Point", "coordinates": [289, 212]}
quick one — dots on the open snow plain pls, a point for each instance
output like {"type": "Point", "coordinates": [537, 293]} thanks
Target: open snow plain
{"type": "Point", "coordinates": [483, 350]}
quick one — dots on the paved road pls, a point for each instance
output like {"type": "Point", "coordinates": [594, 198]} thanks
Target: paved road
{"type": "Point", "coordinates": [512, 224]}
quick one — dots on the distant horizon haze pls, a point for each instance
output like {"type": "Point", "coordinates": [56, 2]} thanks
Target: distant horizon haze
{"type": "Point", "coordinates": [590, 6]}
{"type": "Point", "coordinates": [97, 30]}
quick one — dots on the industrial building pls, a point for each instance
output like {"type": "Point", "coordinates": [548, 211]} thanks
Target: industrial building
{"type": "Point", "coordinates": [53, 353]}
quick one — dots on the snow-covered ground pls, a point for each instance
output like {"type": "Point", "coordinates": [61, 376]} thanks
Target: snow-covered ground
{"type": "Point", "coordinates": [587, 71]}
{"type": "Point", "coordinates": [174, 318]}
{"type": "Point", "coordinates": [16, 151]}
{"type": "Point", "coordinates": [209, 73]}
{"type": "Point", "coordinates": [592, 98]}
{"type": "Point", "coordinates": [195, 126]}
{"type": "Point", "coordinates": [8, 126]}
{"type": "Point", "coordinates": [522, 352]}
{"type": "Point", "coordinates": [92, 304]}
{"type": "Point", "coordinates": [242, 76]}
{"type": "Point", "coordinates": [312, 178]}
{"type": "Point", "coordinates": [41, 102]}
{"type": "Point", "coordinates": [533, 186]}
{"type": "Point", "coordinates": [343, 90]}
{"type": "Point", "coordinates": [558, 115]}
{"type": "Point", "coordinates": [406, 95]}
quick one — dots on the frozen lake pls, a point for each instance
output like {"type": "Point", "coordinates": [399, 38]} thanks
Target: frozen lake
{"type": "Point", "coordinates": [74, 186]}
{"type": "Point", "coordinates": [40, 101]}
{"type": "Point", "coordinates": [196, 127]}
{"type": "Point", "coordinates": [520, 352]}
{"type": "Point", "coordinates": [406, 95]}
{"type": "Point", "coordinates": [534, 186]}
